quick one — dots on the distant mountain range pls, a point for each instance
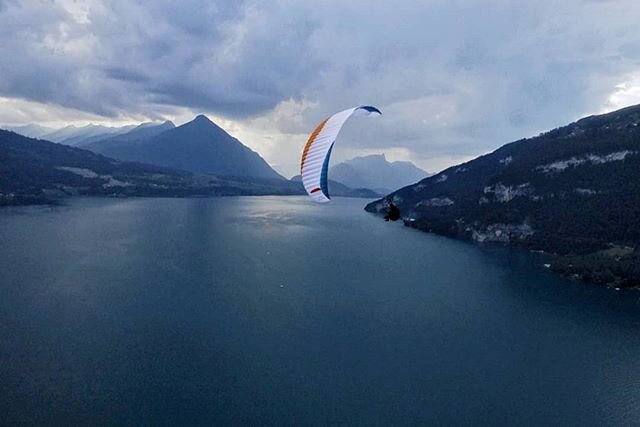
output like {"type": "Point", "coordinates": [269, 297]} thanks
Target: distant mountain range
{"type": "Point", "coordinates": [198, 146]}
{"type": "Point", "coordinates": [197, 158]}
{"type": "Point", "coordinates": [30, 130]}
{"type": "Point", "coordinates": [376, 173]}
{"type": "Point", "coordinates": [37, 171]}
{"type": "Point", "coordinates": [79, 136]}
{"type": "Point", "coordinates": [70, 135]}
{"type": "Point", "coordinates": [141, 132]}
{"type": "Point", "coordinates": [573, 191]}
{"type": "Point", "coordinates": [338, 189]}
{"type": "Point", "coordinates": [201, 146]}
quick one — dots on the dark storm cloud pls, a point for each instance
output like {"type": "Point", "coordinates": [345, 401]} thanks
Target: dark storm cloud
{"type": "Point", "coordinates": [230, 59]}
{"type": "Point", "coordinates": [453, 78]}
{"type": "Point", "coordinates": [125, 74]}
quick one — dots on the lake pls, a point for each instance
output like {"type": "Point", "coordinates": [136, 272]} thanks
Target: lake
{"type": "Point", "coordinates": [278, 311]}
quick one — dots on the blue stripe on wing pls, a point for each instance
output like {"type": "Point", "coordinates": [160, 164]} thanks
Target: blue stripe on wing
{"type": "Point", "coordinates": [324, 185]}
{"type": "Point", "coordinates": [371, 109]}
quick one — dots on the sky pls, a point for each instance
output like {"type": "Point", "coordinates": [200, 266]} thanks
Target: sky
{"type": "Point", "coordinates": [454, 79]}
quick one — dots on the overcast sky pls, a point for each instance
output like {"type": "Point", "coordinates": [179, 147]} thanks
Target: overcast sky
{"type": "Point", "coordinates": [454, 79]}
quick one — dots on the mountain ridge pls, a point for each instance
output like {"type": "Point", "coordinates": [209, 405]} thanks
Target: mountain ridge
{"type": "Point", "coordinates": [199, 146]}
{"type": "Point", "coordinates": [339, 189]}
{"type": "Point", "coordinates": [142, 131]}
{"type": "Point", "coordinates": [375, 172]}
{"type": "Point", "coordinates": [36, 171]}
{"type": "Point", "coordinates": [573, 191]}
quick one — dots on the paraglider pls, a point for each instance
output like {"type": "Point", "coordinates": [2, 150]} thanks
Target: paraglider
{"type": "Point", "coordinates": [393, 213]}
{"type": "Point", "coordinates": [314, 165]}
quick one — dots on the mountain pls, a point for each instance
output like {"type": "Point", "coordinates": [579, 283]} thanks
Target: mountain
{"type": "Point", "coordinates": [37, 171]}
{"type": "Point", "coordinates": [198, 146]}
{"type": "Point", "coordinates": [140, 132]}
{"type": "Point", "coordinates": [30, 130]}
{"type": "Point", "coordinates": [377, 173]}
{"type": "Point", "coordinates": [73, 135]}
{"type": "Point", "coordinates": [338, 189]}
{"type": "Point", "coordinates": [573, 192]}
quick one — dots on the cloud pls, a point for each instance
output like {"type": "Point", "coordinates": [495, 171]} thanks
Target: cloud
{"type": "Point", "coordinates": [454, 79]}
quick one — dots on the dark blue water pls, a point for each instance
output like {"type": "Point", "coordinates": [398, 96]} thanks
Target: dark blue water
{"type": "Point", "coordinates": [277, 311]}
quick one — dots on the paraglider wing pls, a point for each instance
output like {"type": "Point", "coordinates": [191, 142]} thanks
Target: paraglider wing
{"type": "Point", "coordinates": [314, 165]}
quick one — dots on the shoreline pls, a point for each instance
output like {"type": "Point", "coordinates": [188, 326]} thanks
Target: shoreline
{"type": "Point", "coordinates": [613, 267]}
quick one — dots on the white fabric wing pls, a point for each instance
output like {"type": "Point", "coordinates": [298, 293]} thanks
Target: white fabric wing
{"type": "Point", "coordinates": [314, 165]}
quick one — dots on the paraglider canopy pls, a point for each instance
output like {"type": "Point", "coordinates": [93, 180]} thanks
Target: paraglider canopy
{"type": "Point", "coordinates": [314, 166]}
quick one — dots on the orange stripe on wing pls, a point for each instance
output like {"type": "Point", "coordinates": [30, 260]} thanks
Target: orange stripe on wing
{"type": "Point", "coordinates": [310, 141]}
{"type": "Point", "coordinates": [315, 190]}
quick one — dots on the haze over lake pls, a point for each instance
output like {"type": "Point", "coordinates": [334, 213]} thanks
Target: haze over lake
{"type": "Point", "coordinates": [278, 311]}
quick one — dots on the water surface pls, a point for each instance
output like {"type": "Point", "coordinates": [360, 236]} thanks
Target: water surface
{"type": "Point", "coordinates": [277, 311]}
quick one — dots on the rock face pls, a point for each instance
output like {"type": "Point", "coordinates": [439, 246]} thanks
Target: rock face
{"type": "Point", "coordinates": [376, 173]}
{"type": "Point", "coordinates": [573, 191]}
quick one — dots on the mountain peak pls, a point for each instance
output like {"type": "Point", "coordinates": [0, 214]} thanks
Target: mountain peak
{"type": "Point", "coordinates": [202, 123]}
{"type": "Point", "coordinates": [381, 158]}
{"type": "Point", "coordinates": [375, 172]}
{"type": "Point", "coordinates": [201, 118]}
{"type": "Point", "coordinates": [198, 146]}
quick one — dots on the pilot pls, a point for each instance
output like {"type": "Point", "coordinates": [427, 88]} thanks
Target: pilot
{"type": "Point", "coordinates": [393, 213]}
